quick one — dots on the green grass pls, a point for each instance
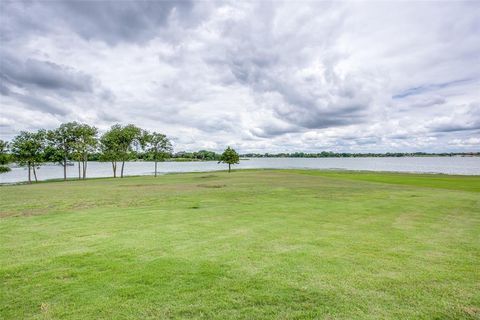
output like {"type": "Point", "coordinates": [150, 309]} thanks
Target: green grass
{"type": "Point", "coordinates": [256, 244]}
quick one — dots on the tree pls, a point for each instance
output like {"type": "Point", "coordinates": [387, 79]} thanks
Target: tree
{"type": "Point", "coordinates": [86, 143]}
{"type": "Point", "coordinates": [4, 157]}
{"type": "Point", "coordinates": [109, 147]}
{"type": "Point", "coordinates": [118, 143]}
{"type": "Point", "coordinates": [61, 144]}
{"type": "Point", "coordinates": [130, 139]}
{"type": "Point", "coordinates": [206, 155]}
{"type": "Point", "coordinates": [156, 145]}
{"type": "Point", "coordinates": [229, 156]}
{"type": "Point", "coordinates": [28, 150]}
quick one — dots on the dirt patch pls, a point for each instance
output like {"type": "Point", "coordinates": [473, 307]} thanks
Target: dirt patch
{"type": "Point", "coordinates": [472, 311]}
{"type": "Point", "coordinates": [23, 213]}
{"type": "Point", "coordinates": [135, 185]}
{"type": "Point", "coordinates": [208, 176]}
{"type": "Point", "coordinates": [44, 307]}
{"type": "Point", "coordinates": [214, 186]}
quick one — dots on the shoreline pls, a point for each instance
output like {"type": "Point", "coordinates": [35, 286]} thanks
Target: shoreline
{"type": "Point", "coordinates": [333, 170]}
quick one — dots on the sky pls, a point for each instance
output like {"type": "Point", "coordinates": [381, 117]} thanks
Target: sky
{"type": "Point", "coordinates": [263, 76]}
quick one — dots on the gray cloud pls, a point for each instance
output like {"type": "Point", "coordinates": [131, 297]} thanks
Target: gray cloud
{"type": "Point", "coordinates": [466, 120]}
{"type": "Point", "coordinates": [312, 101]}
{"type": "Point", "coordinates": [470, 124]}
{"type": "Point", "coordinates": [428, 102]}
{"type": "Point", "coordinates": [42, 74]}
{"type": "Point", "coordinates": [114, 21]}
{"type": "Point", "coordinates": [47, 87]}
{"type": "Point", "coordinates": [430, 87]}
{"type": "Point", "coordinates": [452, 127]}
{"type": "Point", "coordinates": [41, 104]}
{"type": "Point", "coordinates": [4, 90]}
{"type": "Point", "coordinates": [110, 21]}
{"type": "Point", "coordinates": [271, 130]}
{"type": "Point", "coordinates": [321, 113]}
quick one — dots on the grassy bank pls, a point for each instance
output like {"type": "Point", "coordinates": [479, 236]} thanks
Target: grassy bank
{"type": "Point", "coordinates": [259, 244]}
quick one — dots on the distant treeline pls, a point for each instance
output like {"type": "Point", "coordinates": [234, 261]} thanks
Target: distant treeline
{"type": "Point", "coordinates": [329, 154]}
{"type": "Point", "coordinates": [202, 155]}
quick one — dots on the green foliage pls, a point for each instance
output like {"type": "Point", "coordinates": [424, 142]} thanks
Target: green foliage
{"type": "Point", "coordinates": [85, 144]}
{"type": "Point", "coordinates": [5, 158]}
{"type": "Point", "coordinates": [110, 144]}
{"type": "Point", "coordinates": [229, 156]}
{"type": "Point", "coordinates": [61, 143]}
{"type": "Point", "coordinates": [155, 145]}
{"type": "Point", "coordinates": [118, 144]}
{"type": "Point", "coordinates": [329, 154]}
{"type": "Point", "coordinates": [205, 155]}
{"type": "Point", "coordinates": [71, 141]}
{"type": "Point", "coordinates": [259, 244]}
{"type": "Point", "coordinates": [85, 141]}
{"type": "Point", "coordinates": [4, 169]}
{"type": "Point", "coordinates": [28, 148]}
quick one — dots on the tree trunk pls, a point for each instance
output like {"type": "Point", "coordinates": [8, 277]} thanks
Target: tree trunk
{"type": "Point", "coordinates": [123, 165]}
{"type": "Point", "coordinates": [85, 161]}
{"type": "Point", "coordinates": [79, 172]}
{"type": "Point", "coordinates": [155, 168]}
{"type": "Point", "coordinates": [65, 168]}
{"type": "Point", "coordinates": [229, 168]}
{"type": "Point", "coordinates": [29, 173]}
{"type": "Point", "coordinates": [35, 173]}
{"type": "Point", "coordinates": [114, 167]}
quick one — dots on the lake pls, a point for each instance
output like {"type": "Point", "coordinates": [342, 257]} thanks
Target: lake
{"type": "Point", "coordinates": [445, 165]}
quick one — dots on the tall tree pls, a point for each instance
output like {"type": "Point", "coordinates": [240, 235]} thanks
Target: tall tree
{"type": "Point", "coordinates": [85, 144]}
{"type": "Point", "coordinates": [28, 150]}
{"type": "Point", "coordinates": [229, 156]}
{"type": "Point", "coordinates": [110, 147]}
{"type": "Point", "coordinates": [156, 145]}
{"type": "Point", "coordinates": [118, 144]}
{"type": "Point", "coordinates": [61, 144]}
{"type": "Point", "coordinates": [4, 157]}
{"type": "Point", "coordinates": [130, 139]}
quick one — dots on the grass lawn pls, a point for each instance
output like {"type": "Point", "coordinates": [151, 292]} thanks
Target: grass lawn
{"type": "Point", "coordinates": [255, 244]}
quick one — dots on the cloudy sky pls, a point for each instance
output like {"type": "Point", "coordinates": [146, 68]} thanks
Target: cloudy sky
{"type": "Point", "coordinates": [259, 76]}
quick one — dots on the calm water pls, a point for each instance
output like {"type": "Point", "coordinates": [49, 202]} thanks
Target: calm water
{"type": "Point", "coordinates": [446, 165]}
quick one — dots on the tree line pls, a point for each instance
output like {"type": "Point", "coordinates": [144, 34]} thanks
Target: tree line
{"type": "Point", "coordinates": [79, 143]}
{"type": "Point", "coordinates": [330, 154]}
{"type": "Point", "coordinates": [75, 142]}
